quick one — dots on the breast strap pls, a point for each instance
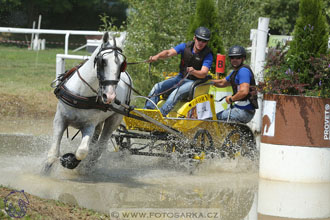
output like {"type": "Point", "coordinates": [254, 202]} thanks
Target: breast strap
{"type": "Point", "coordinates": [80, 102]}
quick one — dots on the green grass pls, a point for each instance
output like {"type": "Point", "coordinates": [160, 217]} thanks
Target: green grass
{"type": "Point", "coordinates": [25, 71]}
{"type": "Point", "coordinates": [39, 208]}
{"type": "Point", "coordinates": [25, 78]}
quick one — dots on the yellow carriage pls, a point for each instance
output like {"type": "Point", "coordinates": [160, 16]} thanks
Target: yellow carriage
{"type": "Point", "coordinates": [190, 129]}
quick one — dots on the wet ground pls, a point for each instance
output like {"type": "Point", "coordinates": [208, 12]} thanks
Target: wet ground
{"type": "Point", "coordinates": [154, 188]}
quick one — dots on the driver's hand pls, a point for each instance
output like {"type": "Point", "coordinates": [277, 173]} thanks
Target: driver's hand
{"type": "Point", "coordinates": [228, 99]}
{"type": "Point", "coordinates": [190, 70]}
{"type": "Point", "coordinates": [152, 59]}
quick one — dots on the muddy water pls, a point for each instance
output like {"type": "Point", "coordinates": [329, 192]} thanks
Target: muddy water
{"type": "Point", "coordinates": [145, 185]}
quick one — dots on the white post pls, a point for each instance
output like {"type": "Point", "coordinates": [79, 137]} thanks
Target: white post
{"type": "Point", "coordinates": [36, 45]}
{"type": "Point", "coordinates": [60, 65]}
{"type": "Point", "coordinates": [253, 38]}
{"type": "Point", "coordinates": [32, 35]}
{"type": "Point", "coordinates": [66, 47]}
{"type": "Point", "coordinates": [43, 44]}
{"type": "Point", "coordinates": [261, 47]}
{"type": "Point", "coordinates": [260, 54]}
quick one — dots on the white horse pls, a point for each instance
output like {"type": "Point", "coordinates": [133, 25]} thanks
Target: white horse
{"type": "Point", "coordinates": [87, 99]}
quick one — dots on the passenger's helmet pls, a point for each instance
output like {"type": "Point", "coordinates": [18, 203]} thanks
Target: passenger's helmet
{"type": "Point", "coordinates": [203, 33]}
{"type": "Point", "coordinates": [237, 51]}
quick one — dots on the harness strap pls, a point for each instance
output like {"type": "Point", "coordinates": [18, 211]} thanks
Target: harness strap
{"type": "Point", "coordinates": [91, 103]}
{"type": "Point", "coordinates": [82, 79]}
{"type": "Point", "coordinates": [77, 101]}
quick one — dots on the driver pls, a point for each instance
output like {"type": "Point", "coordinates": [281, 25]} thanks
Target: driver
{"type": "Point", "coordinates": [196, 60]}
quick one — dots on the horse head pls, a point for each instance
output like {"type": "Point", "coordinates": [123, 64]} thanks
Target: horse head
{"type": "Point", "coordinates": [110, 62]}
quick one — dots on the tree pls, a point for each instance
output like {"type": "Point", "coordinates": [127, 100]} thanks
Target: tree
{"type": "Point", "coordinates": [206, 15]}
{"type": "Point", "coordinates": [282, 14]}
{"type": "Point", "coordinates": [310, 36]}
{"type": "Point", "coordinates": [310, 40]}
{"type": "Point", "coordinates": [236, 19]}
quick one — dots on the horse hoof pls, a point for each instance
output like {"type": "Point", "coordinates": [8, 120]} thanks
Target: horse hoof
{"type": "Point", "coordinates": [69, 161]}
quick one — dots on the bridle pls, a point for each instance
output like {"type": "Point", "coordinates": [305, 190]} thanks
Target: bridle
{"type": "Point", "coordinates": [93, 102]}
{"type": "Point", "coordinates": [100, 63]}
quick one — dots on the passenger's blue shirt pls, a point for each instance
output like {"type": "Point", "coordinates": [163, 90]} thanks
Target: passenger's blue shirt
{"type": "Point", "coordinates": [244, 75]}
{"type": "Point", "coordinates": [207, 60]}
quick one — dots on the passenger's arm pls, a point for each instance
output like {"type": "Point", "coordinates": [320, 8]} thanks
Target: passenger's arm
{"type": "Point", "coordinates": [221, 83]}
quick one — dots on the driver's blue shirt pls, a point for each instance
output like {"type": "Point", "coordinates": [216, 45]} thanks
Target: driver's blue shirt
{"type": "Point", "coordinates": [207, 60]}
{"type": "Point", "coordinates": [243, 76]}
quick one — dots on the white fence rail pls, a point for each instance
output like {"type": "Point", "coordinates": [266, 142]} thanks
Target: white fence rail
{"type": "Point", "coordinates": [67, 33]}
{"type": "Point", "coordinates": [60, 58]}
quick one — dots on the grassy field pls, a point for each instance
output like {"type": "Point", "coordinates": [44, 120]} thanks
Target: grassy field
{"type": "Point", "coordinates": [25, 78]}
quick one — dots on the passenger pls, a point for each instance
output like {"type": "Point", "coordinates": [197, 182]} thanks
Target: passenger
{"type": "Point", "coordinates": [243, 84]}
{"type": "Point", "coordinates": [196, 60]}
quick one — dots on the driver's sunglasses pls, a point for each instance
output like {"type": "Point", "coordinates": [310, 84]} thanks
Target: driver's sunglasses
{"type": "Point", "coordinates": [236, 58]}
{"type": "Point", "coordinates": [201, 40]}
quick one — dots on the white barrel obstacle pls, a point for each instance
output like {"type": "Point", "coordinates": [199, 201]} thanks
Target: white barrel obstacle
{"type": "Point", "coordinates": [295, 142]}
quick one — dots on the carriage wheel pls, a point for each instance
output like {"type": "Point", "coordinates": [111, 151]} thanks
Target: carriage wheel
{"type": "Point", "coordinates": [239, 142]}
{"type": "Point", "coordinates": [121, 141]}
{"type": "Point", "coordinates": [203, 140]}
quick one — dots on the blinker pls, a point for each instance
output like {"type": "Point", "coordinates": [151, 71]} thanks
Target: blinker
{"type": "Point", "coordinates": [123, 66]}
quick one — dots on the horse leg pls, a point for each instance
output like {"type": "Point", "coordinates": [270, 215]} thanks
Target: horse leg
{"type": "Point", "coordinates": [59, 127]}
{"type": "Point", "coordinates": [82, 150]}
{"type": "Point", "coordinates": [110, 125]}
{"type": "Point", "coordinates": [97, 133]}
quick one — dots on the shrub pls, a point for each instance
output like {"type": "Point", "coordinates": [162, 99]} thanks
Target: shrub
{"type": "Point", "coordinates": [281, 78]}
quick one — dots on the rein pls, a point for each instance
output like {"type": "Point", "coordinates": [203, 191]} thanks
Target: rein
{"type": "Point", "coordinates": [173, 87]}
{"type": "Point", "coordinates": [137, 62]}
{"type": "Point", "coordinates": [161, 93]}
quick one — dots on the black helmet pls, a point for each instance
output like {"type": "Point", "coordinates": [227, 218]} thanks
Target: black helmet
{"type": "Point", "coordinates": [236, 51]}
{"type": "Point", "coordinates": [203, 33]}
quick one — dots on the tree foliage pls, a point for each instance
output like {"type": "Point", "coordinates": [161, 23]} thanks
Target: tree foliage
{"type": "Point", "coordinates": [282, 14]}
{"type": "Point", "coordinates": [236, 19]}
{"type": "Point", "coordinates": [310, 38]}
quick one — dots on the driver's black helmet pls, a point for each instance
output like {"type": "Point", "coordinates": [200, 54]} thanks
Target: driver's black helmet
{"type": "Point", "coordinates": [236, 51]}
{"type": "Point", "coordinates": [203, 33]}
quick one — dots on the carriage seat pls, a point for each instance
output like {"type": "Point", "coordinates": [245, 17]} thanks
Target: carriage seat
{"type": "Point", "coordinates": [199, 87]}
